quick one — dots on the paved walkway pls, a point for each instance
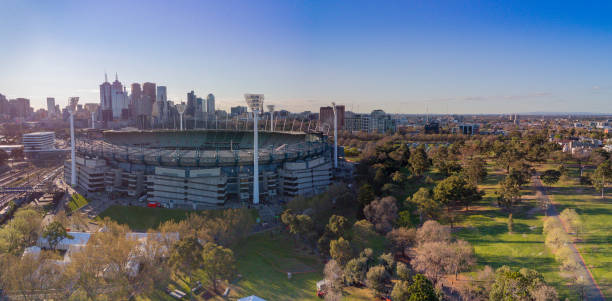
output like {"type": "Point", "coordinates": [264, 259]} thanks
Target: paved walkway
{"type": "Point", "coordinates": [593, 292]}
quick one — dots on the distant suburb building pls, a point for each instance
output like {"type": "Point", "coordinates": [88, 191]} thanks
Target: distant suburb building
{"type": "Point", "coordinates": [377, 121]}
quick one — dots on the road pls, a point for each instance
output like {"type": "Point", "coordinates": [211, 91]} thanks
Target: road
{"type": "Point", "coordinates": [593, 292]}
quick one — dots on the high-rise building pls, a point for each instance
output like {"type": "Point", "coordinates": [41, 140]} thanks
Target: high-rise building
{"type": "Point", "coordinates": [237, 111]}
{"type": "Point", "coordinates": [4, 105]}
{"type": "Point", "coordinates": [72, 102]}
{"type": "Point", "coordinates": [20, 107]}
{"type": "Point", "coordinates": [106, 100]}
{"type": "Point", "coordinates": [119, 98]}
{"type": "Point", "coordinates": [210, 104]}
{"type": "Point", "coordinates": [51, 106]}
{"type": "Point", "coordinates": [160, 109]}
{"type": "Point", "coordinates": [135, 100]}
{"type": "Point", "coordinates": [148, 89]}
{"type": "Point", "coordinates": [326, 116]}
{"type": "Point", "coordinates": [191, 103]}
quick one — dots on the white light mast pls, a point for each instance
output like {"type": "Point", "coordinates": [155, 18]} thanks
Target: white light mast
{"type": "Point", "coordinates": [255, 103]}
{"type": "Point", "coordinates": [71, 109]}
{"type": "Point", "coordinates": [335, 135]}
{"type": "Point", "coordinates": [181, 110]}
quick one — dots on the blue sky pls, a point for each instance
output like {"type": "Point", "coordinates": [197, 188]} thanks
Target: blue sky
{"type": "Point", "coordinates": [400, 56]}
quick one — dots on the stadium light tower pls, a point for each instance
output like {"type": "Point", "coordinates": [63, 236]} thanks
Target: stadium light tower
{"type": "Point", "coordinates": [71, 109]}
{"type": "Point", "coordinates": [271, 109]}
{"type": "Point", "coordinates": [335, 135]}
{"type": "Point", "coordinates": [181, 110]}
{"type": "Point", "coordinates": [255, 103]}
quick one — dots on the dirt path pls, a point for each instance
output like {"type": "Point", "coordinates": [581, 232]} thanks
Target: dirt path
{"type": "Point", "coordinates": [593, 292]}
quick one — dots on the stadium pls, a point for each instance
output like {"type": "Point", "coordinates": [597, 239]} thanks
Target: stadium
{"type": "Point", "coordinates": [200, 168]}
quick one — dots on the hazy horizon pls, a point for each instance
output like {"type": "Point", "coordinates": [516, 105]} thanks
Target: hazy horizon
{"type": "Point", "coordinates": [444, 57]}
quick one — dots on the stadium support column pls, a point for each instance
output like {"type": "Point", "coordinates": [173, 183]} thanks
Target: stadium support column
{"type": "Point", "coordinates": [72, 152]}
{"type": "Point", "coordinates": [335, 136]}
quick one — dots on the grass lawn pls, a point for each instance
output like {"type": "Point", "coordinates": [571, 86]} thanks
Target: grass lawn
{"type": "Point", "coordinates": [595, 242]}
{"type": "Point", "coordinates": [77, 201]}
{"type": "Point", "coordinates": [485, 227]}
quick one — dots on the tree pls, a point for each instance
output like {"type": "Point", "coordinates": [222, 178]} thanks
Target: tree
{"type": "Point", "coordinates": [382, 213]}
{"type": "Point", "coordinates": [601, 177]}
{"type": "Point", "coordinates": [388, 261]}
{"type": "Point", "coordinates": [338, 225]}
{"type": "Point", "coordinates": [454, 191]}
{"type": "Point", "coordinates": [218, 263]}
{"type": "Point", "coordinates": [186, 257]}
{"type": "Point", "coordinates": [20, 231]}
{"type": "Point", "coordinates": [550, 177]}
{"type": "Point", "coordinates": [363, 233]}
{"type": "Point", "coordinates": [366, 194]}
{"type": "Point", "coordinates": [340, 250]}
{"type": "Point", "coordinates": [524, 284]}
{"type": "Point", "coordinates": [432, 231]}
{"type": "Point", "coordinates": [54, 233]}
{"type": "Point", "coordinates": [419, 163]}
{"type": "Point", "coordinates": [509, 195]}
{"type": "Point", "coordinates": [403, 271]}
{"type": "Point", "coordinates": [400, 290]}
{"type": "Point", "coordinates": [462, 257]}
{"type": "Point", "coordinates": [401, 239]}
{"type": "Point", "coordinates": [403, 219]}
{"type": "Point", "coordinates": [355, 269]}
{"type": "Point", "coordinates": [334, 276]}
{"type": "Point", "coordinates": [377, 279]}
{"type": "Point", "coordinates": [432, 259]}
{"type": "Point", "coordinates": [427, 207]}
{"type": "Point", "coordinates": [421, 289]}
{"type": "Point", "coordinates": [475, 170]}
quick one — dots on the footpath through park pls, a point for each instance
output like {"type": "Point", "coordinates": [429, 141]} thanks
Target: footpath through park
{"type": "Point", "coordinates": [592, 290]}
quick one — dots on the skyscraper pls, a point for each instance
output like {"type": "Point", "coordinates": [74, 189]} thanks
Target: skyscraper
{"type": "Point", "coordinates": [191, 103]}
{"type": "Point", "coordinates": [119, 98]}
{"type": "Point", "coordinates": [51, 106]}
{"type": "Point", "coordinates": [326, 116]}
{"type": "Point", "coordinates": [210, 104]}
{"type": "Point", "coordinates": [135, 100]}
{"type": "Point", "coordinates": [106, 100]}
{"type": "Point", "coordinates": [160, 108]}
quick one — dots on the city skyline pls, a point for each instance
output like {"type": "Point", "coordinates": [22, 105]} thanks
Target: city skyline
{"type": "Point", "coordinates": [403, 58]}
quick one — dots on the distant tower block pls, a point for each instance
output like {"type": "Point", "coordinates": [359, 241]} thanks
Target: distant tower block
{"type": "Point", "coordinates": [255, 103]}
{"type": "Point", "coordinates": [271, 109]}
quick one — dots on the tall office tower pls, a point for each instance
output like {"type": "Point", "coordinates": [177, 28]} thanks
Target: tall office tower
{"type": "Point", "coordinates": [161, 94]}
{"type": "Point", "coordinates": [20, 107]}
{"type": "Point", "coordinates": [135, 99]}
{"type": "Point", "coordinates": [106, 100]}
{"type": "Point", "coordinates": [148, 89]}
{"type": "Point", "coordinates": [210, 104]}
{"type": "Point", "coordinates": [72, 102]}
{"type": "Point", "coordinates": [326, 116]}
{"type": "Point", "coordinates": [119, 98]}
{"type": "Point", "coordinates": [191, 103]}
{"type": "Point", "coordinates": [51, 106]}
{"type": "Point", "coordinates": [160, 110]}
{"type": "Point", "coordinates": [4, 105]}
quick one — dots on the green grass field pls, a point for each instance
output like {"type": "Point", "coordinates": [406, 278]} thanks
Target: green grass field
{"type": "Point", "coordinates": [485, 227]}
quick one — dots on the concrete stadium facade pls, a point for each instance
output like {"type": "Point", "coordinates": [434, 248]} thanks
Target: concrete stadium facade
{"type": "Point", "coordinates": [203, 168]}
